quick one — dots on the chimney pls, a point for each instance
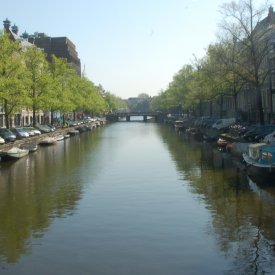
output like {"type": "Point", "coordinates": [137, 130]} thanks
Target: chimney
{"type": "Point", "coordinates": [25, 35]}
{"type": "Point", "coordinates": [14, 29]}
{"type": "Point", "coordinates": [7, 25]}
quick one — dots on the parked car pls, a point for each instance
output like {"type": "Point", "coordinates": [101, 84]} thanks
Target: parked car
{"type": "Point", "coordinates": [7, 135]}
{"type": "Point", "coordinates": [43, 128]}
{"type": "Point", "coordinates": [29, 131]}
{"type": "Point", "coordinates": [71, 123]}
{"type": "Point", "coordinates": [20, 132]}
{"type": "Point", "coordinates": [223, 123]}
{"type": "Point", "coordinates": [52, 127]}
{"type": "Point", "coordinates": [266, 131]}
{"type": "Point", "coordinates": [2, 141]}
{"type": "Point", "coordinates": [32, 131]}
{"type": "Point", "coordinates": [258, 132]}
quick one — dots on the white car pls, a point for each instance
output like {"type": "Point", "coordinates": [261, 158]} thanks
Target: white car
{"type": "Point", "coordinates": [2, 141]}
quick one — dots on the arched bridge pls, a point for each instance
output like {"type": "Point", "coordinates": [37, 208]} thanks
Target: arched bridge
{"type": "Point", "coordinates": [114, 117]}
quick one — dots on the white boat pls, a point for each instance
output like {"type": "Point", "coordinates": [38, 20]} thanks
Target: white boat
{"type": "Point", "coordinates": [14, 153]}
{"type": "Point", "coordinates": [59, 137]}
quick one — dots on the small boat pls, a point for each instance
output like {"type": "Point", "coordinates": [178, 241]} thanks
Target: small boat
{"type": "Point", "coordinates": [260, 161]}
{"type": "Point", "coordinates": [59, 137]}
{"type": "Point", "coordinates": [14, 153]}
{"type": "Point", "coordinates": [47, 141]}
{"type": "Point", "coordinates": [73, 132]}
{"type": "Point", "coordinates": [179, 125]}
{"type": "Point", "coordinates": [32, 147]}
{"type": "Point", "coordinates": [221, 142]}
{"type": "Point", "coordinates": [66, 136]}
{"type": "Point", "coordinates": [89, 127]}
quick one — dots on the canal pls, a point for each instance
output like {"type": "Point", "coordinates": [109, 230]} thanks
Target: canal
{"type": "Point", "coordinates": [133, 198]}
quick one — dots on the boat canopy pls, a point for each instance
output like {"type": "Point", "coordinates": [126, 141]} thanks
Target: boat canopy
{"type": "Point", "coordinates": [254, 150]}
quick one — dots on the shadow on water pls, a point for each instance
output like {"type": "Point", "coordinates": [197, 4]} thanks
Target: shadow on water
{"type": "Point", "coordinates": [242, 211]}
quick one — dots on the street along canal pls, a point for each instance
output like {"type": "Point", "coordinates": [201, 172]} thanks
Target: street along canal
{"type": "Point", "coordinates": [133, 198]}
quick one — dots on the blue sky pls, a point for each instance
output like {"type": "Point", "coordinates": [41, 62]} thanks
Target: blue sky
{"type": "Point", "coordinates": [127, 46]}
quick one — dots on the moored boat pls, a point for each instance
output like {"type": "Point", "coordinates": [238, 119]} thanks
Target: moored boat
{"type": "Point", "coordinates": [66, 136]}
{"type": "Point", "coordinates": [14, 153]}
{"type": "Point", "coordinates": [179, 125]}
{"type": "Point", "coordinates": [73, 132]}
{"type": "Point", "coordinates": [59, 137]}
{"type": "Point", "coordinates": [47, 141]}
{"type": "Point", "coordinates": [32, 147]}
{"type": "Point", "coordinates": [260, 161]}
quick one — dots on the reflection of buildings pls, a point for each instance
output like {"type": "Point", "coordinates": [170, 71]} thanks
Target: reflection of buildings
{"type": "Point", "coordinates": [61, 47]}
{"type": "Point", "coordinates": [242, 214]}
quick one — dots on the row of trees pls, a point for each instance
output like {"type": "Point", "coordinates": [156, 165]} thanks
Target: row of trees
{"type": "Point", "coordinates": [241, 57]}
{"type": "Point", "coordinates": [28, 80]}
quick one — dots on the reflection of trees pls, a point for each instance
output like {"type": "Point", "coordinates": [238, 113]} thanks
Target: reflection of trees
{"type": "Point", "coordinates": [243, 222]}
{"type": "Point", "coordinates": [37, 189]}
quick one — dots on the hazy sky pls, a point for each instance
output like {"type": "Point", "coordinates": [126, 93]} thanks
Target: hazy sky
{"type": "Point", "coordinates": [127, 46]}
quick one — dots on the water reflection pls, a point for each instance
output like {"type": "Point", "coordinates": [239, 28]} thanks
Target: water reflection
{"type": "Point", "coordinates": [138, 213]}
{"type": "Point", "coordinates": [242, 213]}
{"type": "Point", "coordinates": [35, 190]}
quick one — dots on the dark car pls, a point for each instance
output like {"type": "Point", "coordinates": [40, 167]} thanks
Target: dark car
{"type": "Point", "coordinates": [43, 128]}
{"type": "Point", "coordinates": [266, 131]}
{"type": "Point", "coordinates": [7, 135]}
{"type": "Point", "coordinates": [251, 133]}
{"type": "Point", "coordinates": [258, 132]}
{"type": "Point", "coordinates": [20, 132]}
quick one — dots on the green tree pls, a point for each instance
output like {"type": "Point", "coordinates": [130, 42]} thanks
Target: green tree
{"type": "Point", "coordinates": [40, 82]}
{"type": "Point", "coordinates": [114, 102]}
{"type": "Point", "coordinates": [12, 78]}
{"type": "Point", "coordinates": [174, 98]}
{"type": "Point", "coordinates": [63, 76]}
{"type": "Point", "coordinates": [242, 23]}
{"type": "Point", "coordinates": [92, 100]}
{"type": "Point", "coordinates": [223, 57]}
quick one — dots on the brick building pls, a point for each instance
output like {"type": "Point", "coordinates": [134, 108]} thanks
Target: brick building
{"type": "Point", "coordinates": [61, 47]}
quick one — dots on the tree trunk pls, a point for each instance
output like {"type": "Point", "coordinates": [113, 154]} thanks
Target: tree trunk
{"type": "Point", "coordinates": [221, 107]}
{"type": "Point", "coordinates": [211, 108]}
{"type": "Point", "coordinates": [33, 116]}
{"type": "Point", "coordinates": [235, 105]}
{"type": "Point", "coordinates": [260, 105]}
{"type": "Point", "coordinates": [200, 107]}
{"type": "Point", "coordinates": [7, 117]}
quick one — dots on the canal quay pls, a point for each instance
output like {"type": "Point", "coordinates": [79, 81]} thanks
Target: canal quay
{"type": "Point", "coordinates": [133, 198]}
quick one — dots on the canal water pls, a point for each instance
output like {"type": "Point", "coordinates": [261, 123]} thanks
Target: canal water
{"type": "Point", "coordinates": [133, 198]}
